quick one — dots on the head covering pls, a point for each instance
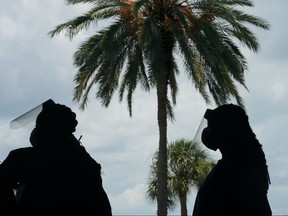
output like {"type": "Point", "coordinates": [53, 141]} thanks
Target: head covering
{"type": "Point", "coordinates": [229, 127]}
{"type": "Point", "coordinates": [227, 116]}
{"type": "Point", "coordinates": [56, 118]}
{"type": "Point", "coordinates": [226, 112]}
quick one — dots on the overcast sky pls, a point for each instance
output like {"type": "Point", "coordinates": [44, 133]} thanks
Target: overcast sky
{"type": "Point", "coordinates": [34, 68]}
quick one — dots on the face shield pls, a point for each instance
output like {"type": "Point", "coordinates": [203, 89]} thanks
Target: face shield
{"type": "Point", "coordinates": [27, 120]}
{"type": "Point", "coordinates": [204, 135]}
{"type": "Point", "coordinates": [202, 126]}
{"type": "Point", "coordinates": [197, 137]}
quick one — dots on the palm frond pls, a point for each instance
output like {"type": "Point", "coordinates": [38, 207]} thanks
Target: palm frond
{"type": "Point", "coordinates": [246, 3]}
{"type": "Point", "coordinates": [225, 15]}
{"type": "Point", "coordinates": [130, 78]}
{"type": "Point", "coordinates": [170, 112]}
{"type": "Point", "coordinates": [108, 64]}
{"type": "Point", "coordinates": [173, 82]}
{"type": "Point", "coordinates": [87, 66]}
{"type": "Point", "coordinates": [99, 2]}
{"type": "Point", "coordinates": [73, 2]}
{"type": "Point", "coordinates": [97, 13]}
{"type": "Point", "coordinates": [154, 54]}
{"type": "Point", "coordinates": [192, 61]}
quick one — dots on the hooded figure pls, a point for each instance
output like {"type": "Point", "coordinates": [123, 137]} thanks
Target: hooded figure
{"type": "Point", "coordinates": [239, 182]}
{"type": "Point", "coordinates": [56, 176]}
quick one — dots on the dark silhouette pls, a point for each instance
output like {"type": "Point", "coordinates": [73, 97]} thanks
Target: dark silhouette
{"type": "Point", "coordinates": [56, 176]}
{"type": "Point", "coordinates": [239, 182]}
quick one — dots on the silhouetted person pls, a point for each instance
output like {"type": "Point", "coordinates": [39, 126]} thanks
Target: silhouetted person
{"type": "Point", "coordinates": [239, 182]}
{"type": "Point", "coordinates": [54, 177]}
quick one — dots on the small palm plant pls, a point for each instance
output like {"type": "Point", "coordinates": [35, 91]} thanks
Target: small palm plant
{"type": "Point", "coordinates": [188, 166]}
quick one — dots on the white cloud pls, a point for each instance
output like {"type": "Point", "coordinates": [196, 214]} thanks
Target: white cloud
{"type": "Point", "coordinates": [9, 28]}
{"type": "Point", "coordinates": [131, 200]}
{"type": "Point", "coordinates": [279, 90]}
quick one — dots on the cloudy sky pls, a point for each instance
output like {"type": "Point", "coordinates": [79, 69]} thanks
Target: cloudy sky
{"type": "Point", "coordinates": [34, 68]}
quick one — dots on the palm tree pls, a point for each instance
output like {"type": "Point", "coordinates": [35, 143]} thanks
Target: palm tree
{"type": "Point", "coordinates": [141, 43]}
{"type": "Point", "coordinates": [188, 166]}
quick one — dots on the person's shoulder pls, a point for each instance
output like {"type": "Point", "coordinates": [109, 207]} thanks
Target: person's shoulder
{"type": "Point", "coordinates": [19, 155]}
{"type": "Point", "coordinates": [19, 151]}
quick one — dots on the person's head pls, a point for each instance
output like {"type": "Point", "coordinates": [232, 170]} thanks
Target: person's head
{"type": "Point", "coordinates": [54, 122]}
{"type": "Point", "coordinates": [228, 127]}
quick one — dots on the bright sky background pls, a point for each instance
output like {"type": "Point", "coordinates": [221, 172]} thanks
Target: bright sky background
{"type": "Point", "coordinates": [34, 68]}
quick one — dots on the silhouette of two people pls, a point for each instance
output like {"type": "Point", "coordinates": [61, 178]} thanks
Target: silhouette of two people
{"type": "Point", "coordinates": [239, 182]}
{"type": "Point", "coordinates": [56, 176]}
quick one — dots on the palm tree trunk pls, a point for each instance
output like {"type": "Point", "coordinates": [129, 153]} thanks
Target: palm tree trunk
{"type": "Point", "coordinates": [162, 195]}
{"type": "Point", "coordinates": [162, 87]}
{"type": "Point", "coordinates": [183, 204]}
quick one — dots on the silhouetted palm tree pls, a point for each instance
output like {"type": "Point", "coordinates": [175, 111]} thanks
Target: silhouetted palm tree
{"type": "Point", "coordinates": [188, 166]}
{"type": "Point", "coordinates": [140, 46]}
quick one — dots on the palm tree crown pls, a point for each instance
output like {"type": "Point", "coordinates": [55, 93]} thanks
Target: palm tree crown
{"type": "Point", "coordinates": [142, 34]}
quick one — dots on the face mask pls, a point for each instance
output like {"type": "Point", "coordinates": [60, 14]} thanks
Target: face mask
{"type": "Point", "coordinates": [209, 139]}
{"type": "Point", "coordinates": [34, 138]}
